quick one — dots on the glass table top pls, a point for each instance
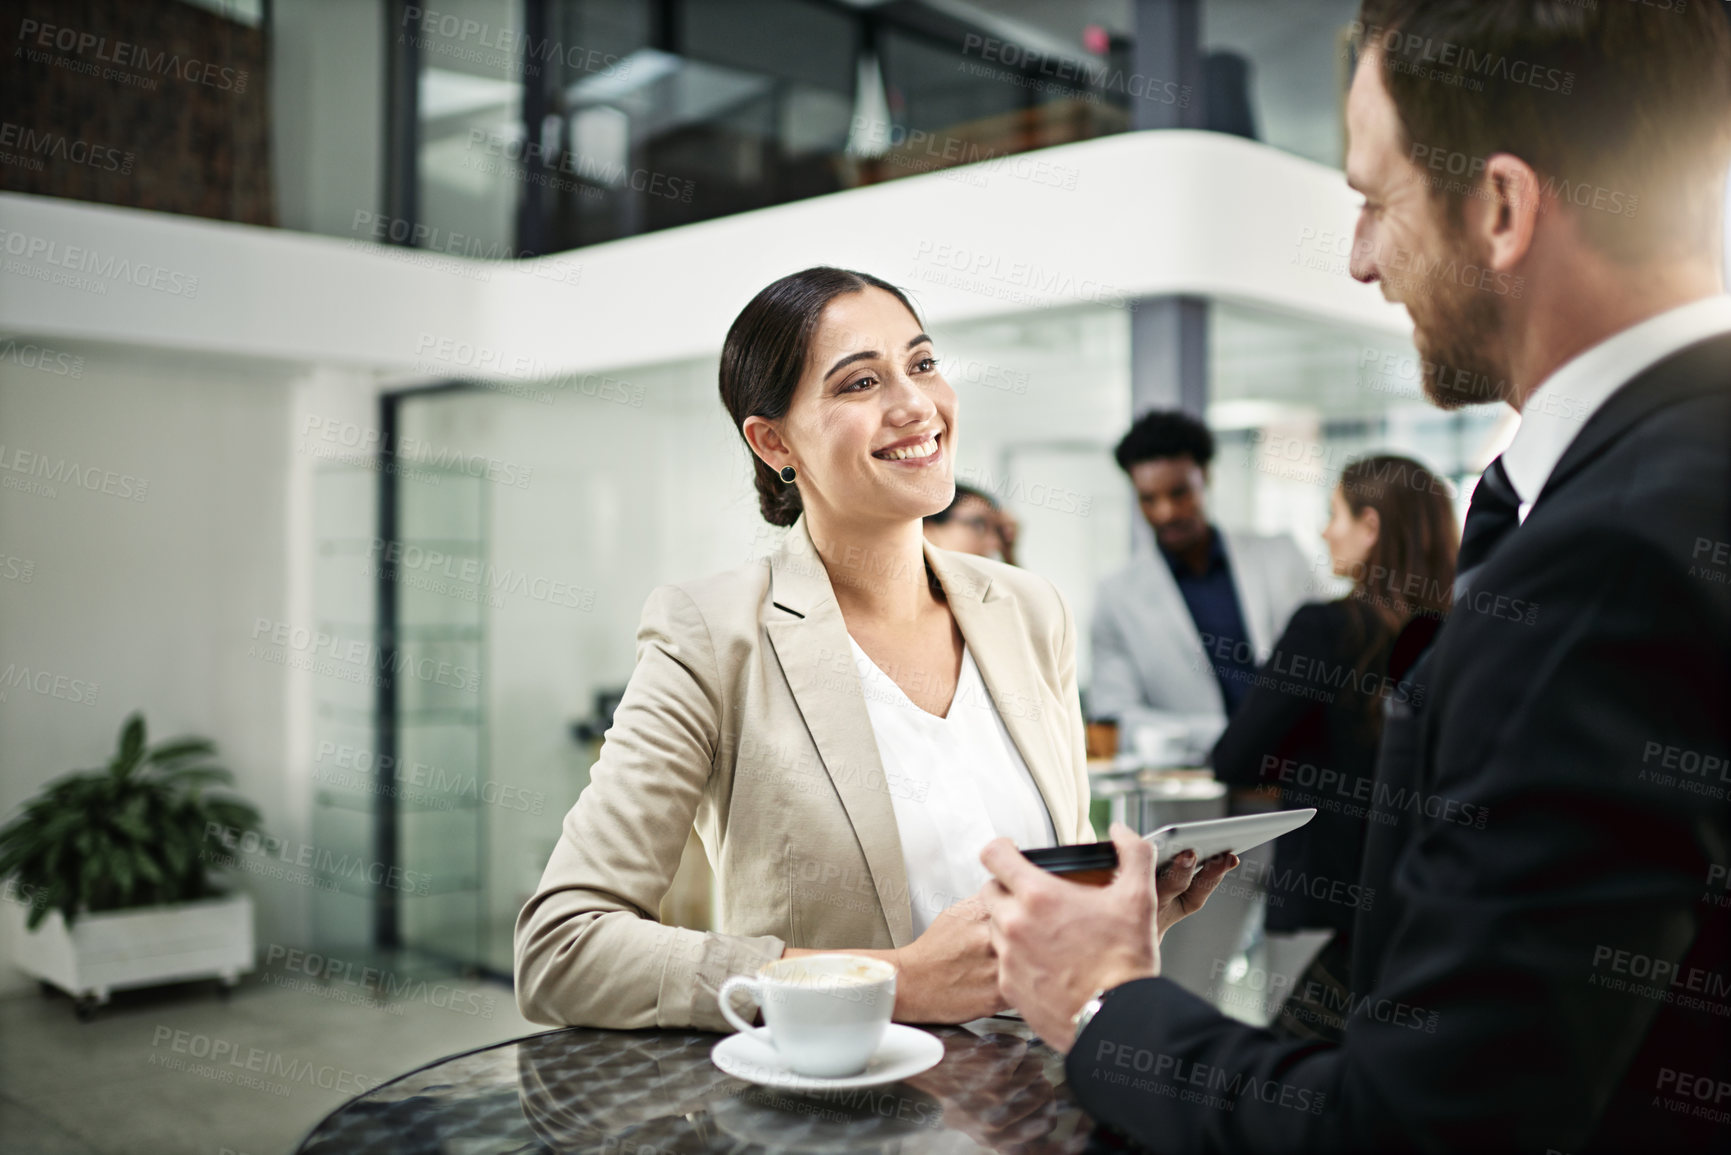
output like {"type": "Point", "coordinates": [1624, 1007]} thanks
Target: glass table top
{"type": "Point", "coordinates": [657, 1093]}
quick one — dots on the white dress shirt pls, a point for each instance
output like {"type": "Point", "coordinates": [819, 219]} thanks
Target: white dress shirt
{"type": "Point", "coordinates": [1558, 408]}
{"type": "Point", "coordinates": [956, 783]}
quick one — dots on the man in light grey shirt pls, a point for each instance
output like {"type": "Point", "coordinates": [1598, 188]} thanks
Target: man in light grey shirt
{"type": "Point", "coordinates": [1178, 634]}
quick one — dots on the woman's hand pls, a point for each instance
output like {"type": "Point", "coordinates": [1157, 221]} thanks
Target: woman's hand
{"type": "Point", "coordinates": [950, 974]}
{"type": "Point", "coordinates": [1180, 888]}
{"type": "Point", "coordinates": [947, 975]}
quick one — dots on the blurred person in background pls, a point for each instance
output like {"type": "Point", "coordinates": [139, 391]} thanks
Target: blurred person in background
{"type": "Point", "coordinates": [1309, 727]}
{"type": "Point", "coordinates": [845, 726]}
{"type": "Point", "coordinates": [1178, 633]}
{"type": "Point", "coordinates": [974, 523]}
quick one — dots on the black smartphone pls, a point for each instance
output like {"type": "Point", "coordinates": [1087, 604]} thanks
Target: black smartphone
{"type": "Point", "coordinates": [1089, 863]}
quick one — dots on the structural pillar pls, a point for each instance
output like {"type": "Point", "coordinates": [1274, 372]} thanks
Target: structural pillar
{"type": "Point", "coordinates": [1168, 335]}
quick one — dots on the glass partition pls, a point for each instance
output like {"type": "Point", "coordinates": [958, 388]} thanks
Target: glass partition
{"type": "Point", "coordinates": [684, 112]}
{"type": "Point", "coordinates": [535, 126]}
{"type": "Point", "coordinates": [399, 764]}
{"type": "Point", "coordinates": [1292, 401]}
{"type": "Point", "coordinates": [470, 126]}
{"type": "Point", "coordinates": [441, 777]}
{"type": "Point", "coordinates": [590, 501]}
{"type": "Point", "coordinates": [345, 787]}
{"type": "Point", "coordinates": [551, 124]}
{"type": "Point", "coordinates": [1293, 69]}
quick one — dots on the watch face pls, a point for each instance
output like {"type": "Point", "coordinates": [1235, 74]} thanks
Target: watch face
{"type": "Point", "coordinates": [1083, 1017]}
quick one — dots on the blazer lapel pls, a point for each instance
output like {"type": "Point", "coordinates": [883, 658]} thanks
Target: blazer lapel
{"type": "Point", "coordinates": [994, 629]}
{"type": "Point", "coordinates": [1162, 608]}
{"type": "Point", "coordinates": [810, 640]}
{"type": "Point", "coordinates": [1250, 583]}
{"type": "Point", "coordinates": [1704, 367]}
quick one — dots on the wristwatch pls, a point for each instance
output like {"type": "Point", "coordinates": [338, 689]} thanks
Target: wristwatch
{"type": "Point", "coordinates": [1083, 1017]}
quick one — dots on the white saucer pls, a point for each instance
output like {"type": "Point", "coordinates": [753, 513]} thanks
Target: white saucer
{"type": "Point", "coordinates": [903, 1053]}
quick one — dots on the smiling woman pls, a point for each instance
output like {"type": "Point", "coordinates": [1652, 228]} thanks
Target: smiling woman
{"type": "Point", "coordinates": [834, 819]}
{"type": "Point", "coordinates": [833, 318]}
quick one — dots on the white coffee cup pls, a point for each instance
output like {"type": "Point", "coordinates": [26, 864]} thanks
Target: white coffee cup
{"type": "Point", "coordinates": [825, 1014]}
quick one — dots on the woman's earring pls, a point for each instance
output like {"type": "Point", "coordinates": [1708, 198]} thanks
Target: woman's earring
{"type": "Point", "coordinates": [787, 474]}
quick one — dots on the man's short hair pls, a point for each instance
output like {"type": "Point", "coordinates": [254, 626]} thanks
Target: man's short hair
{"type": "Point", "coordinates": [1622, 109]}
{"type": "Point", "coordinates": [1165, 433]}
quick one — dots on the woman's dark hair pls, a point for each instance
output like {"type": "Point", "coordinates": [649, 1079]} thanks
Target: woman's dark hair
{"type": "Point", "coordinates": [764, 357]}
{"type": "Point", "coordinates": [1409, 571]}
{"type": "Point", "coordinates": [1165, 433]}
{"type": "Point", "coordinates": [1411, 567]}
{"type": "Point", "coordinates": [963, 493]}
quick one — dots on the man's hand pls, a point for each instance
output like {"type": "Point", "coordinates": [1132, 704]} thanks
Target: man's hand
{"type": "Point", "coordinates": [1058, 942]}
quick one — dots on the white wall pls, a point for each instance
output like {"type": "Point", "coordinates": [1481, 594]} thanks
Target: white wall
{"type": "Point", "coordinates": [154, 600]}
{"type": "Point", "coordinates": [1145, 213]}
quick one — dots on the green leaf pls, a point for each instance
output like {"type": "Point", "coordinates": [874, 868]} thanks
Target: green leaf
{"type": "Point", "coordinates": [131, 746]}
{"type": "Point", "coordinates": [192, 777]}
{"type": "Point", "coordinates": [177, 856]}
{"type": "Point", "coordinates": [117, 864]}
{"type": "Point", "coordinates": [130, 820]}
{"type": "Point", "coordinates": [180, 749]}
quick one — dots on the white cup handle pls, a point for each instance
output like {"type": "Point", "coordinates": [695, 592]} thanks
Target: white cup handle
{"type": "Point", "coordinates": [749, 985]}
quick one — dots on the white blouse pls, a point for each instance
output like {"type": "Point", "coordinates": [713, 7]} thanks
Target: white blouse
{"type": "Point", "coordinates": [956, 783]}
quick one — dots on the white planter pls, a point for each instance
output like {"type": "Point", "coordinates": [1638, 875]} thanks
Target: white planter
{"type": "Point", "coordinates": [112, 950]}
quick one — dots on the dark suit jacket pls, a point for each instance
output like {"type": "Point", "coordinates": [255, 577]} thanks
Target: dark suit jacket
{"type": "Point", "coordinates": [1310, 725]}
{"type": "Point", "coordinates": [1559, 980]}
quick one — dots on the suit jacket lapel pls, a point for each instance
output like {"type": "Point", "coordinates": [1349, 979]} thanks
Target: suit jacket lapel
{"type": "Point", "coordinates": [1704, 367]}
{"type": "Point", "coordinates": [1249, 582]}
{"type": "Point", "coordinates": [1161, 603]}
{"type": "Point", "coordinates": [994, 629]}
{"type": "Point", "coordinates": [810, 640]}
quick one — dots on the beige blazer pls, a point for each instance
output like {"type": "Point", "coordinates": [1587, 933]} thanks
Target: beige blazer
{"type": "Point", "coordinates": [745, 717]}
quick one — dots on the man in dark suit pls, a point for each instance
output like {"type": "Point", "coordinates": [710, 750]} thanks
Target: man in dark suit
{"type": "Point", "coordinates": [1559, 977]}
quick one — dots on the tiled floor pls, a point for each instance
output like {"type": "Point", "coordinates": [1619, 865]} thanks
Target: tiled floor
{"type": "Point", "coordinates": [179, 1070]}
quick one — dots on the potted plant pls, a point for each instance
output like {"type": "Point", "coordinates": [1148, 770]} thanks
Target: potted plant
{"type": "Point", "coordinates": [110, 866]}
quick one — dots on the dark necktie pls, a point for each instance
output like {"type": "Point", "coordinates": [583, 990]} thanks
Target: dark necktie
{"type": "Point", "coordinates": [1495, 510]}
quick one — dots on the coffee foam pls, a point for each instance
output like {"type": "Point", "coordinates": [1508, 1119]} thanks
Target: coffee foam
{"type": "Point", "coordinates": [828, 971]}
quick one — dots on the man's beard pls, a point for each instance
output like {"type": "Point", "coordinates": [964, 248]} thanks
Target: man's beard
{"type": "Point", "coordinates": [1457, 328]}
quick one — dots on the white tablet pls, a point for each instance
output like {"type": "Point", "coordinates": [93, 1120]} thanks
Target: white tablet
{"type": "Point", "coordinates": [1213, 836]}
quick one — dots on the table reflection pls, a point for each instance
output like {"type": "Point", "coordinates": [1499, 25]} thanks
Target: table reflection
{"type": "Point", "coordinates": [657, 1093]}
